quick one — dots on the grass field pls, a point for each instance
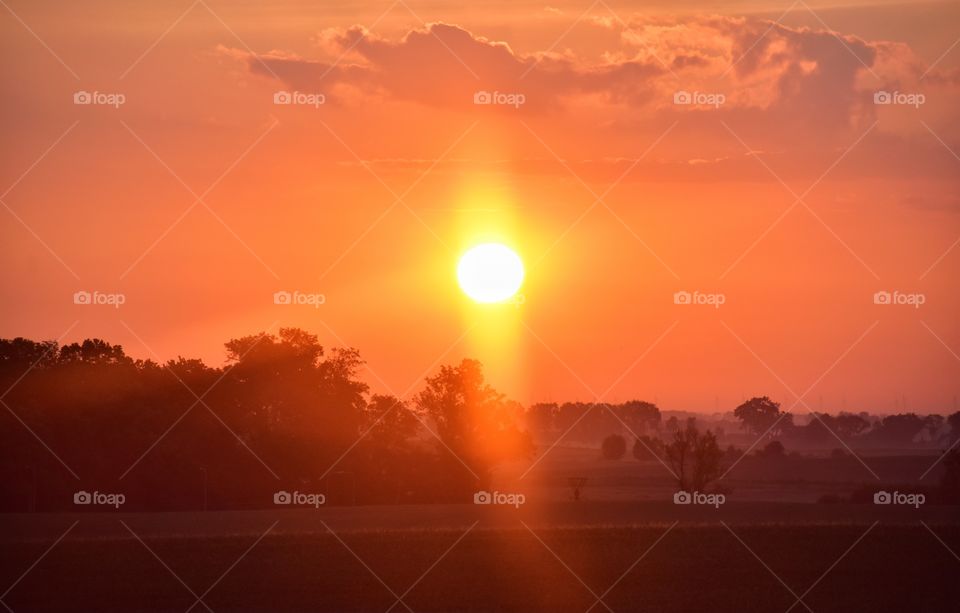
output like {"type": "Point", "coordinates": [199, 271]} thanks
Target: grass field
{"type": "Point", "coordinates": [625, 542]}
{"type": "Point", "coordinates": [691, 568]}
{"type": "Point", "coordinates": [752, 478]}
{"type": "Point", "coordinates": [45, 527]}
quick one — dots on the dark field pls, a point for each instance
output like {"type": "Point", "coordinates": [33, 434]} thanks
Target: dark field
{"type": "Point", "coordinates": [693, 568]}
{"type": "Point", "coordinates": [470, 558]}
{"type": "Point", "coordinates": [851, 557]}
{"type": "Point", "coordinates": [46, 527]}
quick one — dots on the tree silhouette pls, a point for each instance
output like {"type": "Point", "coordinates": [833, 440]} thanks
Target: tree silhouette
{"type": "Point", "coordinates": [648, 448]}
{"type": "Point", "coordinates": [542, 418]}
{"type": "Point", "coordinates": [759, 415]}
{"type": "Point", "coordinates": [284, 412]}
{"type": "Point", "coordinates": [950, 482]}
{"type": "Point", "coordinates": [773, 449]}
{"type": "Point", "coordinates": [475, 422]}
{"type": "Point", "coordinates": [640, 416]}
{"type": "Point", "coordinates": [694, 457]}
{"type": "Point", "coordinates": [953, 421]}
{"type": "Point", "coordinates": [614, 447]}
{"type": "Point", "coordinates": [897, 430]}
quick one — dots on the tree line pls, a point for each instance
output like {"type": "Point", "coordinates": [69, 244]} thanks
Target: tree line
{"type": "Point", "coordinates": [764, 417]}
{"type": "Point", "coordinates": [286, 413]}
{"type": "Point", "coordinates": [587, 424]}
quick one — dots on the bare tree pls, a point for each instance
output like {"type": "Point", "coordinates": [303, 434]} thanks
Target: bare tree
{"type": "Point", "coordinates": [695, 457]}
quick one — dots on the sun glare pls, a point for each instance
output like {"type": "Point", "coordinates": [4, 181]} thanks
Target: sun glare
{"type": "Point", "coordinates": [490, 272]}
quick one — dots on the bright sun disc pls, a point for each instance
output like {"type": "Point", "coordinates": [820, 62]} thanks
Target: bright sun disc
{"type": "Point", "coordinates": [490, 273]}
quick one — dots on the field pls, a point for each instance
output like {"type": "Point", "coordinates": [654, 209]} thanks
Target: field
{"type": "Point", "coordinates": [625, 542]}
{"type": "Point", "coordinates": [663, 567]}
{"type": "Point", "coordinates": [787, 479]}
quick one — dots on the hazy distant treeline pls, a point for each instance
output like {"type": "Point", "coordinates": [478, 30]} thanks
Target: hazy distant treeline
{"type": "Point", "coordinates": [587, 424]}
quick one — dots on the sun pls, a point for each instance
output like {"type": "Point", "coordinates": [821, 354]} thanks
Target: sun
{"type": "Point", "coordinates": [490, 272]}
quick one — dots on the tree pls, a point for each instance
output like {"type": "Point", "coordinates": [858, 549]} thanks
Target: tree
{"type": "Point", "coordinates": [292, 401]}
{"type": "Point", "coordinates": [695, 458]}
{"type": "Point", "coordinates": [759, 415]}
{"type": "Point", "coordinates": [283, 407]}
{"type": "Point", "coordinates": [542, 417]}
{"type": "Point", "coordinates": [953, 420]}
{"type": "Point", "coordinates": [18, 354]}
{"type": "Point", "coordinates": [639, 416]}
{"type": "Point", "coordinates": [932, 425]}
{"type": "Point", "coordinates": [648, 448]}
{"type": "Point", "coordinates": [389, 422]}
{"type": "Point", "coordinates": [572, 417]}
{"type": "Point", "coordinates": [823, 429]}
{"type": "Point", "coordinates": [476, 423]}
{"type": "Point", "coordinates": [93, 352]}
{"type": "Point", "coordinates": [392, 466]}
{"type": "Point", "coordinates": [614, 447]}
{"type": "Point", "coordinates": [673, 424]}
{"type": "Point", "coordinates": [774, 449]}
{"type": "Point", "coordinates": [950, 482]}
{"type": "Point", "coordinates": [898, 430]}
{"type": "Point", "coordinates": [850, 425]}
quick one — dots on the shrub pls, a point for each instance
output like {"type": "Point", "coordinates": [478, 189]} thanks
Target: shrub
{"type": "Point", "coordinates": [614, 447]}
{"type": "Point", "coordinates": [774, 449]}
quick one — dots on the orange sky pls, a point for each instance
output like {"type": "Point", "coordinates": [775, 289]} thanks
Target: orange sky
{"type": "Point", "coordinates": [370, 197]}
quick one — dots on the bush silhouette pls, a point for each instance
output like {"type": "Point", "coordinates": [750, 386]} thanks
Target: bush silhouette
{"type": "Point", "coordinates": [614, 447]}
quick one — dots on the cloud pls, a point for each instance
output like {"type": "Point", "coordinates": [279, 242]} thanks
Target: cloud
{"type": "Point", "coordinates": [778, 87]}
{"type": "Point", "coordinates": [444, 65]}
{"type": "Point", "coordinates": [755, 63]}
